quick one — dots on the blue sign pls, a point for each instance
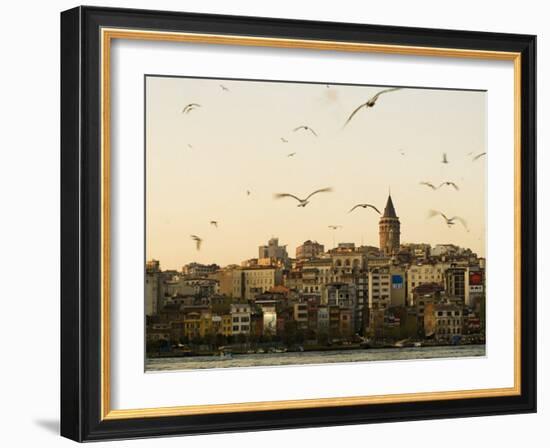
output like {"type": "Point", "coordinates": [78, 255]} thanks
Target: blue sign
{"type": "Point", "coordinates": [397, 281]}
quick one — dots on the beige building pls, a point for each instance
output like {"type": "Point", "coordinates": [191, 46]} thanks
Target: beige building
{"type": "Point", "coordinates": [443, 320]}
{"type": "Point", "coordinates": [379, 294]}
{"type": "Point", "coordinates": [309, 249]}
{"type": "Point", "coordinates": [419, 274]}
{"type": "Point", "coordinates": [152, 293]}
{"type": "Point", "coordinates": [247, 283]}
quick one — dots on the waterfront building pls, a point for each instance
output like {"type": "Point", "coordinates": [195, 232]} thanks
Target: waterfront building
{"type": "Point", "coordinates": [323, 320]}
{"type": "Point", "coordinates": [192, 324]}
{"type": "Point", "coordinates": [240, 318]}
{"type": "Point", "coordinates": [152, 292]}
{"type": "Point", "coordinates": [444, 321]}
{"type": "Point", "coordinates": [300, 315]}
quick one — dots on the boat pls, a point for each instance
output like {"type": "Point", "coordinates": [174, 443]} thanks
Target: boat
{"type": "Point", "coordinates": [226, 355]}
{"type": "Point", "coordinates": [402, 343]}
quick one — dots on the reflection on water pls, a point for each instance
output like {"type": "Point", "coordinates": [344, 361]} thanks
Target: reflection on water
{"type": "Point", "coordinates": [281, 359]}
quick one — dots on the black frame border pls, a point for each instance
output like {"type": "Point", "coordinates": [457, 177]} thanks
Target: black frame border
{"type": "Point", "coordinates": [81, 223]}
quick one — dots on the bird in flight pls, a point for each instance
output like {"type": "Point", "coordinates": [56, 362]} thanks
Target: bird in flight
{"type": "Point", "coordinates": [306, 128]}
{"type": "Point", "coordinates": [478, 156]}
{"type": "Point", "coordinates": [248, 192]}
{"type": "Point", "coordinates": [370, 103]}
{"type": "Point", "coordinates": [190, 107]}
{"type": "Point", "coordinates": [284, 140]}
{"type": "Point", "coordinates": [302, 202]}
{"type": "Point", "coordinates": [365, 206]}
{"type": "Point", "coordinates": [197, 240]}
{"type": "Point", "coordinates": [214, 223]}
{"type": "Point", "coordinates": [449, 184]}
{"type": "Point", "coordinates": [189, 145]}
{"type": "Point", "coordinates": [334, 227]}
{"type": "Point", "coordinates": [449, 221]}
{"type": "Point", "coordinates": [446, 183]}
{"type": "Point", "coordinates": [429, 184]}
{"type": "Point", "coordinates": [225, 89]}
{"type": "Point", "coordinates": [401, 152]}
{"type": "Point", "coordinates": [292, 154]}
{"type": "Point", "coordinates": [444, 159]}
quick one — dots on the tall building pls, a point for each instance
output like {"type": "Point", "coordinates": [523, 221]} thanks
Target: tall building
{"type": "Point", "coordinates": [273, 251]}
{"type": "Point", "coordinates": [389, 230]}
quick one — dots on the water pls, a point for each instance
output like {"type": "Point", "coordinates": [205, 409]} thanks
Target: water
{"type": "Point", "coordinates": [300, 358]}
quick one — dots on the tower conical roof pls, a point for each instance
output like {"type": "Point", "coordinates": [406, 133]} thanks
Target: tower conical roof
{"type": "Point", "coordinates": [389, 211]}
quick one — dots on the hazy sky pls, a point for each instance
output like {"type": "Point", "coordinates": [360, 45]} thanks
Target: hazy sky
{"type": "Point", "coordinates": [236, 146]}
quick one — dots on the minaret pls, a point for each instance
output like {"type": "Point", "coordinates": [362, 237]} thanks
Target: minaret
{"type": "Point", "coordinates": [389, 230]}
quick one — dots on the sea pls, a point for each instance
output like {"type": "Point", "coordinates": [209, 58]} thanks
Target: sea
{"type": "Point", "coordinates": [313, 357]}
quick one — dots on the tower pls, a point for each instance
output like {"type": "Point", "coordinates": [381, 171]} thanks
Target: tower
{"type": "Point", "coordinates": [389, 229]}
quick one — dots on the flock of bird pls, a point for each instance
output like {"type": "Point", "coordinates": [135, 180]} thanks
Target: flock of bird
{"type": "Point", "coordinates": [303, 202]}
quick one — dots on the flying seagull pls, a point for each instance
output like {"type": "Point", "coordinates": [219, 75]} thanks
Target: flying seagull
{"type": "Point", "coordinates": [449, 221]}
{"type": "Point", "coordinates": [302, 202]}
{"type": "Point", "coordinates": [370, 103]}
{"type": "Point", "coordinates": [306, 128]}
{"type": "Point", "coordinates": [284, 140]}
{"type": "Point", "coordinates": [446, 183]}
{"type": "Point", "coordinates": [334, 227]}
{"type": "Point", "coordinates": [197, 240]}
{"type": "Point", "coordinates": [190, 107]}
{"type": "Point", "coordinates": [365, 206]}
{"type": "Point", "coordinates": [189, 145]}
{"type": "Point", "coordinates": [292, 154]}
{"type": "Point", "coordinates": [429, 184]}
{"type": "Point", "coordinates": [225, 89]}
{"type": "Point", "coordinates": [214, 223]}
{"type": "Point", "coordinates": [444, 159]}
{"type": "Point", "coordinates": [450, 184]}
{"type": "Point", "coordinates": [248, 192]}
{"type": "Point", "coordinates": [478, 156]}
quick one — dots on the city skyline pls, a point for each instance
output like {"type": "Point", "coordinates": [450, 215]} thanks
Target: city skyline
{"type": "Point", "coordinates": [196, 175]}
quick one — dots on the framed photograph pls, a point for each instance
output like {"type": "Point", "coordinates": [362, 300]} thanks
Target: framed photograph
{"type": "Point", "coordinates": [273, 223]}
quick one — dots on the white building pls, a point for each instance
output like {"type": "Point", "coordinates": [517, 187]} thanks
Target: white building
{"type": "Point", "coordinates": [240, 318]}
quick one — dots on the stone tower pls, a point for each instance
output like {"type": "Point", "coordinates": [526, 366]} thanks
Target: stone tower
{"type": "Point", "coordinates": [389, 230]}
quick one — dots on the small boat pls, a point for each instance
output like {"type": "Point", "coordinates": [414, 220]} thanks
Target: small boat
{"type": "Point", "coordinates": [400, 344]}
{"type": "Point", "coordinates": [418, 344]}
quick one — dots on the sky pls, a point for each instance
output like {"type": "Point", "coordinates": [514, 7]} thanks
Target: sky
{"type": "Point", "coordinates": [199, 166]}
